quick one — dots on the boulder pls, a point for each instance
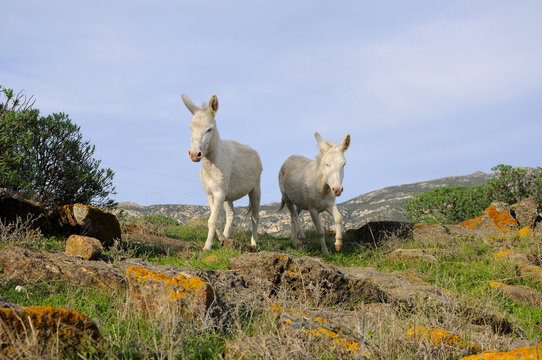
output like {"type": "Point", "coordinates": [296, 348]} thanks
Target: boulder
{"type": "Point", "coordinates": [374, 232]}
{"type": "Point", "coordinates": [523, 353]}
{"type": "Point", "coordinates": [86, 220]}
{"type": "Point", "coordinates": [517, 257]}
{"type": "Point", "coordinates": [343, 342]}
{"type": "Point", "coordinates": [159, 294]}
{"type": "Point", "coordinates": [42, 330]}
{"type": "Point", "coordinates": [87, 247]}
{"type": "Point", "coordinates": [495, 221]}
{"type": "Point", "coordinates": [15, 209]}
{"type": "Point", "coordinates": [160, 244]}
{"type": "Point", "coordinates": [303, 278]}
{"type": "Point", "coordinates": [31, 267]}
{"type": "Point", "coordinates": [519, 293]}
{"type": "Point", "coordinates": [526, 212]}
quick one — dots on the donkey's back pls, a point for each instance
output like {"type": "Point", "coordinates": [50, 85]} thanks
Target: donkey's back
{"type": "Point", "coordinates": [245, 172]}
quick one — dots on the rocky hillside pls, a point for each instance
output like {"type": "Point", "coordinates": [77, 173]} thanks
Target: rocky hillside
{"type": "Point", "coordinates": [383, 204]}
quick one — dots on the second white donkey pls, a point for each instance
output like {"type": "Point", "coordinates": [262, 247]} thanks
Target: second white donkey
{"type": "Point", "coordinates": [312, 185]}
{"type": "Point", "coordinates": [230, 170]}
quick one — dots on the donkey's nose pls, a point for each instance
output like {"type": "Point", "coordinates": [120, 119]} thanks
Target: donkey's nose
{"type": "Point", "coordinates": [194, 157]}
{"type": "Point", "coordinates": [337, 191]}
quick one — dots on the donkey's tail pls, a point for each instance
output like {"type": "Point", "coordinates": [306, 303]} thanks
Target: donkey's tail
{"type": "Point", "coordinates": [282, 203]}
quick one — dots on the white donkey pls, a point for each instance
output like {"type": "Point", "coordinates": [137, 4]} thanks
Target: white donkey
{"type": "Point", "coordinates": [312, 185]}
{"type": "Point", "coordinates": [230, 170]}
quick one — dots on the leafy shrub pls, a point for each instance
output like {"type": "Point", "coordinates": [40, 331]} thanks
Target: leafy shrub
{"type": "Point", "coordinates": [513, 184]}
{"type": "Point", "coordinates": [448, 205]}
{"type": "Point", "coordinates": [46, 159]}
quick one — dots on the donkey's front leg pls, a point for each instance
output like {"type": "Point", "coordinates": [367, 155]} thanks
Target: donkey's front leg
{"type": "Point", "coordinates": [230, 215]}
{"type": "Point", "coordinates": [215, 203]}
{"type": "Point", "coordinates": [319, 228]}
{"type": "Point", "coordinates": [337, 217]}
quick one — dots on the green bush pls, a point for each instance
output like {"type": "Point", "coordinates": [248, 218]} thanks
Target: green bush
{"type": "Point", "coordinates": [448, 205]}
{"type": "Point", "coordinates": [45, 158]}
{"type": "Point", "coordinates": [513, 184]}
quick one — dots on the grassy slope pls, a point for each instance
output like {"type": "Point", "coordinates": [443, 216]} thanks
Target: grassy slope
{"type": "Point", "coordinates": [467, 270]}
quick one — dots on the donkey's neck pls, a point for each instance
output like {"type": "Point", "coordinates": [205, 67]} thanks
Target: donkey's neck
{"type": "Point", "coordinates": [318, 174]}
{"type": "Point", "coordinates": [214, 148]}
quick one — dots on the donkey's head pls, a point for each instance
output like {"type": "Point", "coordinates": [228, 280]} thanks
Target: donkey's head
{"type": "Point", "coordinates": [332, 162]}
{"type": "Point", "coordinates": [203, 125]}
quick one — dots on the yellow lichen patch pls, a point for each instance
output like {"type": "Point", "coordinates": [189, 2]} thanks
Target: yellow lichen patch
{"type": "Point", "coordinates": [292, 271]}
{"type": "Point", "coordinates": [438, 336]}
{"type": "Point", "coordinates": [526, 232]}
{"type": "Point", "coordinates": [504, 252]}
{"type": "Point", "coordinates": [523, 353]}
{"type": "Point", "coordinates": [472, 223]}
{"type": "Point", "coordinates": [320, 319]}
{"type": "Point", "coordinates": [177, 287]}
{"type": "Point", "coordinates": [276, 308]}
{"type": "Point", "coordinates": [496, 284]}
{"type": "Point", "coordinates": [353, 346]}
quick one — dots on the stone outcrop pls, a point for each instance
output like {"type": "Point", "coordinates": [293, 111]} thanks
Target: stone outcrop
{"type": "Point", "coordinates": [522, 353]}
{"type": "Point", "coordinates": [14, 208]}
{"type": "Point", "coordinates": [58, 331]}
{"type": "Point", "coordinates": [86, 220]}
{"type": "Point", "coordinates": [374, 232]}
{"type": "Point", "coordinates": [32, 267]}
{"type": "Point", "coordinates": [519, 293]}
{"type": "Point", "coordinates": [305, 278]}
{"type": "Point", "coordinates": [159, 294]}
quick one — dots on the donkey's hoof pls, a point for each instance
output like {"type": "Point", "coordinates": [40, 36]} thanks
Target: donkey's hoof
{"type": "Point", "coordinates": [325, 250]}
{"type": "Point", "coordinates": [338, 247]}
{"type": "Point", "coordinates": [205, 248]}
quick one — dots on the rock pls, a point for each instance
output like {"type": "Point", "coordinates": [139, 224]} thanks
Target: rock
{"type": "Point", "coordinates": [526, 212]}
{"type": "Point", "coordinates": [131, 229]}
{"type": "Point", "coordinates": [30, 267]}
{"type": "Point", "coordinates": [437, 337]}
{"type": "Point", "coordinates": [5, 303]}
{"type": "Point", "coordinates": [413, 255]}
{"type": "Point", "coordinates": [46, 329]}
{"type": "Point", "coordinates": [86, 220]}
{"type": "Point", "coordinates": [517, 257]}
{"type": "Point", "coordinates": [161, 244]}
{"type": "Point", "coordinates": [12, 207]}
{"type": "Point", "coordinates": [160, 294]}
{"type": "Point", "coordinates": [374, 232]}
{"type": "Point", "coordinates": [519, 293]}
{"type": "Point", "coordinates": [495, 221]}
{"type": "Point", "coordinates": [523, 353]}
{"type": "Point", "coordinates": [87, 247]}
{"type": "Point", "coordinates": [344, 343]}
{"type": "Point", "coordinates": [531, 271]}
{"type": "Point", "coordinates": [526, 232]}
{"type": "Point", "coordinates": [303, 278]}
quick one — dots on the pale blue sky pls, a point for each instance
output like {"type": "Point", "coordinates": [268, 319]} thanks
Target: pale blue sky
{"type": "Point", "coordinates": [426, 89]}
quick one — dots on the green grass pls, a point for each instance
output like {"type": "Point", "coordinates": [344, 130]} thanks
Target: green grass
{"type": "Point", "coordinates": [466, 271]}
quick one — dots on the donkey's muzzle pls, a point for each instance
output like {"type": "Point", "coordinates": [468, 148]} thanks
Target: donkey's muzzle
{"type": "Point", "coordinates": [194, 157]}
{"type": "Point", "coordinates": [337, 191]}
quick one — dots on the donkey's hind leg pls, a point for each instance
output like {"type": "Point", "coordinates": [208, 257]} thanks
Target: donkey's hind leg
{"type": "Point", "coordinates": [254, 207]}
{"type": "Point", "coordinates": [297, 233]}
{"type": "Point", "coordinates": [230, 215]}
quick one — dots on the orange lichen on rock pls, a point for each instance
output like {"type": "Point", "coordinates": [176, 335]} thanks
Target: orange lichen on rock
{"type": "Point", "coordinates": [523, 353]}
{"type": "Point", "coordinates": [52, 327]}
{"type": "Point", "coordinates": [438, 336]}
{"type": "Point", "coordinates": [153, 288]}
{"type": "Point", "coordinates": [472, 223]}
{"type": "Point", "coordinates": [502, 219]}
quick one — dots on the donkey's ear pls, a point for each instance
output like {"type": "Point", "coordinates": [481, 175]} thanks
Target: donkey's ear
{"type": "Point", "coordinates": [189, 104]}
{"type": "Point", "coordinates": [345, 144]}
{"type": "Point", "coordinates": [213, 104]}
{"type": "Point", "coordinates": [321, 141]}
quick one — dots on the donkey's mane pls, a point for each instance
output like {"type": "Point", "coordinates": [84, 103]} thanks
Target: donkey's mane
{"type": "Point", "coordinates": [204, 106]}
{"type": "Point", "coordinates": [330, 145]}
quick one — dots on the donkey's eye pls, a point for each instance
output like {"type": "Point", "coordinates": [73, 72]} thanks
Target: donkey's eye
{"type": "Point", "coordinates": [209, 130]}
{"type": "Point", "coordinates": [327, 164]}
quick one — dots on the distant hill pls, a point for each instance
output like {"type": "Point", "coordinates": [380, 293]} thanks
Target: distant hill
{"type": "Point", "coordinates": [383, 204]}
